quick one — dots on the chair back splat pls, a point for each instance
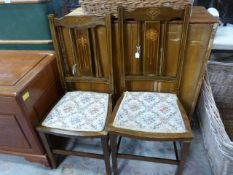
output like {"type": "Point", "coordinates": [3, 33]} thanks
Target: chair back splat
{"type": "Point", "coordinates": [84, 62]}
{"type": "Point", "coordinates": [154, 61]}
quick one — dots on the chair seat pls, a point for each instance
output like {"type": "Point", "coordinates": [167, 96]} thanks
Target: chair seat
{"type": "Point", "coordinates": [79, 111]}
{"type": "Point", "coordinates": [150, 112]}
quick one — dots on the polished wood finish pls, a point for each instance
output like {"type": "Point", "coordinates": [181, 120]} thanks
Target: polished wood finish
{"type": "Point", "coordinates": [153, 48]}
{"type": "Point", "coordinates": [29, 87]}
{"type": "Point", "coordinates": [184, 153]}
{"type": "Point", "coordinates": [84, 63]}
{"type": "Point", "coordinates": [202, 28]}
{"type": "Point", "coordinates": [203, 35]}
{"type": "Point", "coordinates": [83, 60]}
{"type": "Point", "coordinates": [154, 28]}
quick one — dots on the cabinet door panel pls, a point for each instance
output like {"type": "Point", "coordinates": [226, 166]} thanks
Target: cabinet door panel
{"type": "Point", "coordinates": [196, 58]}
{"type": "Point", "coordinates": [11, 134]}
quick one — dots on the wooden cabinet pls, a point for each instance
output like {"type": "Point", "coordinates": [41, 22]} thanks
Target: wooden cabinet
{"type": "Point", "coordinates": [29, 87]}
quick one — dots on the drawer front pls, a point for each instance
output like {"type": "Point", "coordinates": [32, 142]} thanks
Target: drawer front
{"type": "Point", "coordinates": [11, 134]}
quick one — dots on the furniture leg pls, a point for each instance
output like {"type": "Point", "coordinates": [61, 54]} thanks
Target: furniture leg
{"type": "Point", "coordinates": [184, 155]}
{"type": "Point", "coordinates": [113, 143]}
{"type": "Point", "coordinates": [106, 151]}
{"type": "Point", "coordinates": [48, 150]}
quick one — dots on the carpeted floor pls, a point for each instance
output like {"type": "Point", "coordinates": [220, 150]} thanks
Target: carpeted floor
{"type": "Point", "coordinates": [197, 163]}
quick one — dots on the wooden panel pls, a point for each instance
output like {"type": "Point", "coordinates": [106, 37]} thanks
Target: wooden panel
{"type": "Point", "coordinates": [139, 85]}
{"type": "Point", "coordinates": [154, 13]}
{"type": "Point", "coordinates": [116, 61]}
{"type": "Point", "coordinates": [151, 47]}
{"type": "Point", "coordinates": [165, 87]}
{"type": "Point", "coordinates": [172, 49]}
{"type": "Point", "coordinates": [100, 87]}
{"type": "Point", "coordinates": [13, 68]}
{"type": "Point", "coordinates": [96, 55]}
{"type": "Point", "coordinates": [101, 39]}
{"type": "Point", "coordinates": [11, 134]}
{"type": "Point", "coordinates": [194, 63]}
{"type": "Point", "coordinates": [47, 100]}
{"type": "Point", "coordinates": [67, 55]}
{"type": "Point", "coordinates": [150, 86]}
{"type": "Point", "coordinates": [201, 16]}
{"type": "Point", "coordinates": [133, 66]}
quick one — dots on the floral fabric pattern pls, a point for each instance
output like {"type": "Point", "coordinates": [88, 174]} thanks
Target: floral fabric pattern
{"type": "Point", "coordinates": [79, 111]}
{"type": "Point", "coordinates": [150, 112]}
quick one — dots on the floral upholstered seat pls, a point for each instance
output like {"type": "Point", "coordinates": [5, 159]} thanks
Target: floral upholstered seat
{"type": "Point", "coordinates": [79, 111]}
{"type": "Point", "coordinates": [150, 112]}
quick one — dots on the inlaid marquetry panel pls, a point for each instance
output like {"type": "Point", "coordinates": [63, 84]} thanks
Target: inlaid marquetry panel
{"type": "Point", "coordinates": [148, 63]}
{"type": "Point", "coordinates": [148, 35]}
{"type": "Point", "coordinates": [84, 48]}
{"type": "Point", "coordinates": [81, 50]}
{"type": "Point", "coordinates": [151, 54]}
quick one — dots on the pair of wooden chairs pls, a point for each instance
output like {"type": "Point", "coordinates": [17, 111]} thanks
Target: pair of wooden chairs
{"type": "Point", "coordinates": [148, 109]}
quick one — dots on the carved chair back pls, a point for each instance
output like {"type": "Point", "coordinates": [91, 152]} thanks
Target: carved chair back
{"type": "Point", "coordinates": [155, 61]}
{"type": "Point", "coordinates": [84, 62]}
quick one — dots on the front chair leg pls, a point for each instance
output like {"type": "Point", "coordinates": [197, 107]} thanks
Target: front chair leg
{"type": "Point", "coordinates": [106, 151]}
{"type": "Point", "coordinates": [47, 149]}
{"type": "Point", "coordinates": [184, 155]}
{"type": "Point", "coordinates": [113, 143]}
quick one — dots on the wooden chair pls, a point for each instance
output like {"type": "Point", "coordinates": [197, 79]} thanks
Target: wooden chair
{"type": "Point", "coordinates": [85, 69]}
{"type": "Point", "coordinates": [152, 68]}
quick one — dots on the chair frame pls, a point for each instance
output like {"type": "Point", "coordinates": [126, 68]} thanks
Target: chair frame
{"type": "Point", "coordinates": [79, 22]}
{"type": "Point", "coordinates": [115, 133]}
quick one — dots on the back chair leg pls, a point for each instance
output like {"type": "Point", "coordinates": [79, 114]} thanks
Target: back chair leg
{"type": "Point", "coordinates": [184, 155]}
{"type": "Point", "coordinates": [113, 143]}
{"type": "Point", "coordinates": [106, 151]}
{"type": "Point", "coordinates": [48, 150]}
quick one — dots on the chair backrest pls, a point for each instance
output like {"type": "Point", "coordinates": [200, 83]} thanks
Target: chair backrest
{"type": "Point", "coordinates": [84, 63]}
{"type": "Point", "coordinates": [152, 46]}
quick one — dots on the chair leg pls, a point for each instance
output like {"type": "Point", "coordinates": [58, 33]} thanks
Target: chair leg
{"type": "Point", "coordinates": [48, 150]}
{"type": "Point", "coordinates": [113, 143]}
{"type": "Point", "coordinates": [106, 151]}
{"type": "Point", "coordinates": [184, 155]}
